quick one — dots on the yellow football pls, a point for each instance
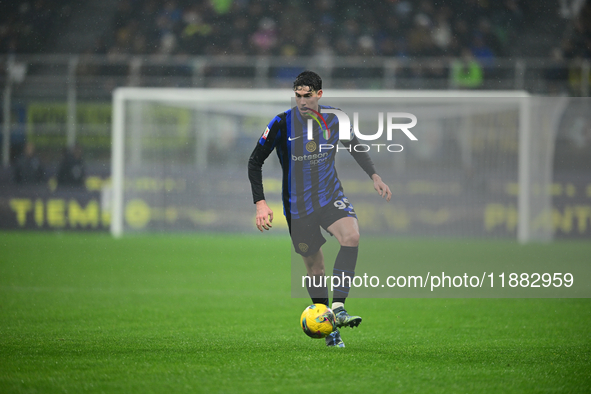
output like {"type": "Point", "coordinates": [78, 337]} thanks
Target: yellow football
{"type": "Point", "coordinates": [318, 321]}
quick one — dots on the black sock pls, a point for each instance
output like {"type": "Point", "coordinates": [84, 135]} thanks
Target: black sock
{"type": "Point", "coordinates": [344, 268]}
{"type": "Point", "coordinates": [317, 289]}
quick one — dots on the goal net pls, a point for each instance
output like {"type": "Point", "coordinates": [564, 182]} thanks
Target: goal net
{"type": "Point", "coordinates": [481, 164]}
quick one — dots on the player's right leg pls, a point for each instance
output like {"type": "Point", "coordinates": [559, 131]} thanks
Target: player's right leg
{"type": "Point", "coordinates": [334, 339]}
{"type": "Point", "coordinates": [316, 286]}
{"type": "Point", "coordinates": [307, 241]}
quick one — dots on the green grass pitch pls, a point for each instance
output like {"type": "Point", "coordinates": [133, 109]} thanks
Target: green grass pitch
{"type": "Point", "coordinates": [213, 313]}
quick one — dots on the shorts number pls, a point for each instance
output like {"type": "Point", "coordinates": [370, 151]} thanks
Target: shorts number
{"type": "Point", "coordinates": [341, 204]}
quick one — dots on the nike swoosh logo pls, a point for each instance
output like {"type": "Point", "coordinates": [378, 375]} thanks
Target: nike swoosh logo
{"type": "Point", "coordinates": [291, 139]}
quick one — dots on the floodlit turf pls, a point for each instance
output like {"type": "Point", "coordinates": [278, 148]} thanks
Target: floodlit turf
{"type": "Point", "coordinates": [213, 313]}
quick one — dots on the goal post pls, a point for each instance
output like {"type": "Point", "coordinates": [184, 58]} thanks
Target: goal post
{"type": "Point", "coordinates": [482, 165]}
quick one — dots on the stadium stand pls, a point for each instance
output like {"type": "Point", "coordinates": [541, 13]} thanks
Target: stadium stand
{"type": "Point", "coordinates": [382, 28]}
{"type": "Point", "coordinates": [29, 26]}
{"type": "Point", "coordinates": [61, 51]}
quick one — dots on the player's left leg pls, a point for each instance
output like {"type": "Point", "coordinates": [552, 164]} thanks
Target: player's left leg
{"type": "Point", "coordinates": [346, 231]}
{"type": "Point", "coordinates": [315, 269]}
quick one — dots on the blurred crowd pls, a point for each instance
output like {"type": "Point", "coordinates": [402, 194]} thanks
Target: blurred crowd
{"type": "Point", "coordinates": [319, 28]}
{"type": "Point", "coordinates": [577, 40]}
{"type": "Point", "coordinates": [401, 28]}
{"type": "Point", "coordinates": [25, 26]}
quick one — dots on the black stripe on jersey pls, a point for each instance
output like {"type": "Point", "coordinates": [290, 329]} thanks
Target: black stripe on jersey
{"type": "Point", "coordinates": [284, 158]}
{"type": "Point", "coordinates": [297, 167]}
{"type": "Point", "coordinates": [314, 173]}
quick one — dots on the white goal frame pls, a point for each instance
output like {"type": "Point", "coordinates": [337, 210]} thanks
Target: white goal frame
{"type": "Point", "coordinates": [201, 95]}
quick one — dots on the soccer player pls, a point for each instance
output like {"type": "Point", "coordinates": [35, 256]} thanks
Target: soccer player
{"type": "Point", "coordinates": [312, 194]}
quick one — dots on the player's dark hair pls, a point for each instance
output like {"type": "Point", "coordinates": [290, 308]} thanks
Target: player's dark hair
{"type": "Point", "coordinates": [310, 79]}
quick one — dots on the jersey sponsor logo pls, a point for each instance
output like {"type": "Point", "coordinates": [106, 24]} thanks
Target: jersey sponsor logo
{"type": "Point", "coordinates": [311, 146]}
{"type": "Point", "coordinates": [294, 138]}
{"type": "Point", "coordinates": [313, 160]}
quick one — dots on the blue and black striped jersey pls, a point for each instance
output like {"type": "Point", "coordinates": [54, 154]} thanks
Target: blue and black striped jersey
{"type": "Point", "coordinates": [310, 179]}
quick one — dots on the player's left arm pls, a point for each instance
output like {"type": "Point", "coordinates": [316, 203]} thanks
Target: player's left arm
{"type": "Point", "coordinates": [382, 189]}
{"type": "Point", "coordinates": [365, 162]}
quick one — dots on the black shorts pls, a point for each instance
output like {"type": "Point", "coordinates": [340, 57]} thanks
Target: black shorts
{"type": "Point", "coordinates": [305, 231]}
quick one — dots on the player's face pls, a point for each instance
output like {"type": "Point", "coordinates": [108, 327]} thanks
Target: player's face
{"type": "Point", "coordinates": [306, 98]}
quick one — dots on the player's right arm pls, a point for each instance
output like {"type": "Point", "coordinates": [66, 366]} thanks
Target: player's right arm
{"type": "Point", "coordinates": [268, 141]}
{"type": "Point", "coordinates": [264, 218]}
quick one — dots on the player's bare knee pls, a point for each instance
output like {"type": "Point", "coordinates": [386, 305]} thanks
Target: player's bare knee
{"type": "Point", "coordinates": [314, 264]}
{"type": "Point", "coordinates": [350, 239]}
{"type": "Point", "coordinates": [316, 271]}
{"type": "Point", "coordinates": [315, 268]}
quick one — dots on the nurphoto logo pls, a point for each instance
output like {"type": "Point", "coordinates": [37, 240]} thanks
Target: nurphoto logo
{"type": "Point", "coordinates": [346, 132]}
